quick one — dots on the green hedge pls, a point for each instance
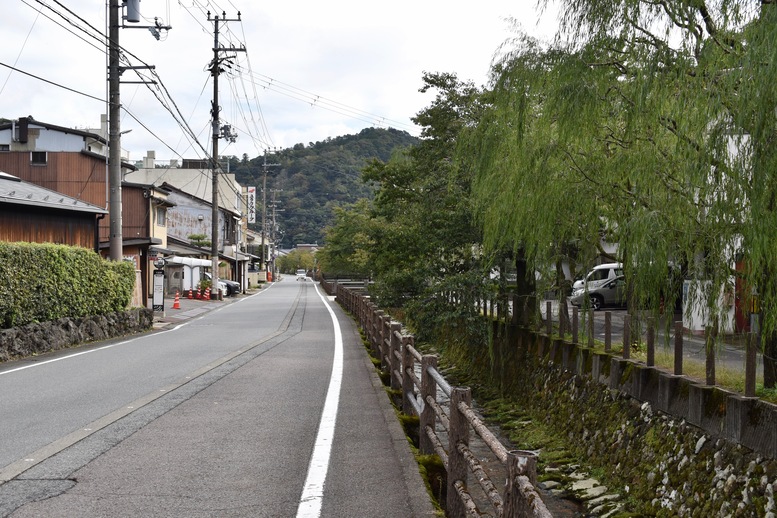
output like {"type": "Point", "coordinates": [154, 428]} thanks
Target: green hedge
{"type": "Point", "coordinates": [43, 282]}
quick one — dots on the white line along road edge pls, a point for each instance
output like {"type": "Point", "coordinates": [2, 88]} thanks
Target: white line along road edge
{"type": "Point", "coordinates": [313, 492]}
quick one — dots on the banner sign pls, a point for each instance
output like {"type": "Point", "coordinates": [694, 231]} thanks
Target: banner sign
{"type": "Point", "coordinates": [251, 204]}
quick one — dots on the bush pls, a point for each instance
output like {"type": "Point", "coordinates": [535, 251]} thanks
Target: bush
{"type": "Point", "coordinates": [43, 282]}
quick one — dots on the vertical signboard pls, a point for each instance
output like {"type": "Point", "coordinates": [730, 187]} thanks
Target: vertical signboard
{"type": "Point", "coordinates": [159, 290]}
{"type": "Point", "coordinates": [251, 204]}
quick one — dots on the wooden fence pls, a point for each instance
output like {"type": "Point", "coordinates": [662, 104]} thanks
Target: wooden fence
{"type": "Point", "coordinates": [418, 379]}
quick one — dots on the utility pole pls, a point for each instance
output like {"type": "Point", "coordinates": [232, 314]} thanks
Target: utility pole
{"type": "Point", "coordinates": [216, 129]}
{"type": "Point", "coordinates": [114, 136]}
{"type": "Point", "coordinates": [265, 248]}
{"type": "Point", "coordinates": [116, 252]}
{"type": "Point", "coordinates": [275, 210]}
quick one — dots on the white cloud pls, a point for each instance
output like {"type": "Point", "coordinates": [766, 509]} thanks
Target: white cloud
{"type": "Point", "coordinates": [336, 67]}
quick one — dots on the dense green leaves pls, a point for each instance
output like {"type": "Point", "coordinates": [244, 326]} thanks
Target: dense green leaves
{"type": "Point", "coordinates": [48, 282]}
{"type": "Point", "coordinates": [310, 181]}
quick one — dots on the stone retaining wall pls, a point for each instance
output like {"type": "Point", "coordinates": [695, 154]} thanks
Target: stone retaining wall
{"type": "Point", "coordinates": [32, 339]}
{"type": "Point", "coordinates": [667, 464]}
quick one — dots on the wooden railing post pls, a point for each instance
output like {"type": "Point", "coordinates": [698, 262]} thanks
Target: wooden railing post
{"type": "Point", "coordinates": [514, 314]}
{"type": "Point", "coordinates": [517, 503]}
{"type": "Point", "coordinates": [548, 318]}
{"type": "Point", "coordinates": [607, 331]}
{"type": "Point", "coordinates": [709, 341]}
{"type": "Point", "coordinates": [378, 335]}
{"type": "Point", "coordinates": [394, 349]}
{"type": "Point", "coordinates": [575, 325]}
{"type": "Point", "coordinates": [428, 390]}
{"type": "Point", "coordinates": [590, 328]}
{"type": "Point", "coordinates": [626, 337]}
{"type": "Point", "coordinates": [457, 464]}
{"type": "Point", "coordinates": [651, 342]}
{"type": "Point", "coordinates": [750, 364]}
{"type": "Point", "coordinates": [678, 348]}
{"type": "Point", "coordinates": [408, 364]}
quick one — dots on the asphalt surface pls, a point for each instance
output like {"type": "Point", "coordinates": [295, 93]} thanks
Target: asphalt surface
{"type": "Point", "coordinates": [235, 436]}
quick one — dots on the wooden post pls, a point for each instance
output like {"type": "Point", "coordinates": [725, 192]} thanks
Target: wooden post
{"type": "Point", "coordinates": [562, 318]}
{"type": "Point", "coordinates": [519, 463]}
{"type": "Point", "coordinates": [514, 314]}
{"type": "Point", "coordinates": [590, 327]}
{"type": "Point", "coordinates": [575, 325]}
{"type": "Point", "coordinates": [376, 323]}
{"type": "Point", "coordinates": [626, 337]}
{"type": "Point", "coordinates": [548, 318]}
{"type": "Point", "coordinates": [607, 331]}
{"type": "Point", "coordinates": [428, 390]}
{"type": "Point", "coordinates": [709, 343]}
{"type": "Point", "coordinates": [394, 349]}
{"type": "Point", "coordinates": [651, 342]}
{"type": "Point", "coordinates": [678, 348]}
{"type": "Point", "coordinates": [407, 382]}
{"type": "Point", "coordinates": [750, 364]}
{"type": "Point", "coordinates": [457, 464]}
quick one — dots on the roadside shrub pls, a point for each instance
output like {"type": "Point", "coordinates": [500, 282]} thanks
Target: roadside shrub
{"type": "Point", "coordinates": [43, 282]}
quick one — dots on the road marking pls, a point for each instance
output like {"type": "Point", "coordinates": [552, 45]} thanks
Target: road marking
{"type": "Point", "coordinates": [313, 492]}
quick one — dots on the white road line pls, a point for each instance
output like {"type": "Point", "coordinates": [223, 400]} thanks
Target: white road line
{"type": "Point", "coordinates": [313, 492]}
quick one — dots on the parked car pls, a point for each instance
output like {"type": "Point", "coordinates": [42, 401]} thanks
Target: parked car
{"type": "Point", "coordinates": [229, 287]}
{"type": "Point", "coordinates": [598, 276]}
{"type": "Point", "coordinates": [611, 293]}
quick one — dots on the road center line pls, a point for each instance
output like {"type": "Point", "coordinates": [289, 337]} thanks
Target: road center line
{"type": "Point", "coordinates": [313, 492]}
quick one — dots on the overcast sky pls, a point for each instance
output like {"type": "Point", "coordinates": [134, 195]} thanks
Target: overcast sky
{"type": "Point", "coordinates": [311, 70]}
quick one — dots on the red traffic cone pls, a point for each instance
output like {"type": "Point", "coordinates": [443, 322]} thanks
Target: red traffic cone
{"type": "Point", "coordinates": [207, 293]}
{"type": "Point", "coordinates": [190, 293]}
{"type": "Point", "coordinates": [177, 302]}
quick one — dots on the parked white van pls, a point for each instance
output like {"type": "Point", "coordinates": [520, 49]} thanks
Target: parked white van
{"type": "Point", "coordinates": [598, 276]}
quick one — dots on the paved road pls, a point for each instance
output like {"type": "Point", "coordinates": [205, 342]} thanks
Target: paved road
{"type": "Point", "coordinates": [264, 406]}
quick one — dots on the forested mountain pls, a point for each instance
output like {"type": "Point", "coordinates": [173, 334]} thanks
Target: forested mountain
{"type": "Point", "coordinates": [309, 181]}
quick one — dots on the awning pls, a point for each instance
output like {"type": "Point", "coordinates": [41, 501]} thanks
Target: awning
{"type": "Point", "coordinates": [189, 261]}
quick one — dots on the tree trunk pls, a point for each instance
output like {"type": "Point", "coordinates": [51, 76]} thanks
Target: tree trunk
{"type": "Point", "coordinates": [526, 291]}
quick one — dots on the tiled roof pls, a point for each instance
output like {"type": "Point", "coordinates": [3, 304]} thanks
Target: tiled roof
{"type": "Point", "coordinates": [15, 191]}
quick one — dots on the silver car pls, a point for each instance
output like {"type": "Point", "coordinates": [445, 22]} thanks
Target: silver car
{"type": "Point", "coordinates": [611, 293]}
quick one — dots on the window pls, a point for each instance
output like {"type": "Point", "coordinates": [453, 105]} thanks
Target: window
{"type": "Point", "coordinates": [161, 216]}
{"type": "Point", "coordinates": [5, 147]}
{"type": "Point", "coordinates": [38, 157]}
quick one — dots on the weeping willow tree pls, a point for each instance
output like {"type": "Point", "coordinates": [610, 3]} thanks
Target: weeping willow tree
{"type": "Point", "coordinates": [653, 122]}
{"type": "Point", "coordinates": [699, 78]}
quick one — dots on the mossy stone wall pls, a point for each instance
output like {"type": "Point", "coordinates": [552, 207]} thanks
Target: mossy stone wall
{"type": "Point", "coordinates": [666, 465]}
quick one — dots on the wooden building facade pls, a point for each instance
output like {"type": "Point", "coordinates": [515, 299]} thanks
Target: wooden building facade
{"type": "Point", "coordinates": [33, 214]}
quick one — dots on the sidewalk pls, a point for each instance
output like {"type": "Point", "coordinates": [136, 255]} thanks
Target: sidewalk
{"type": "Point", "coordinates": [191, 308]}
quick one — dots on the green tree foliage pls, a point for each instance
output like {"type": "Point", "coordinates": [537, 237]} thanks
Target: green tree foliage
{"type": "Point", "coordinates": [650, 123]}
{"type": "Point", "coordinates": [418, 236]}
{"type": "Point", "coordinates": [349, 242]}
{"type": "Point", "coordinates": [296, 259]}
{"type": "Point", "coordinates": [311, 181]}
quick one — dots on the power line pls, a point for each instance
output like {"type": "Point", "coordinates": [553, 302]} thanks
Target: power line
{"type": "Point", "coordinates": [52, 82]}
